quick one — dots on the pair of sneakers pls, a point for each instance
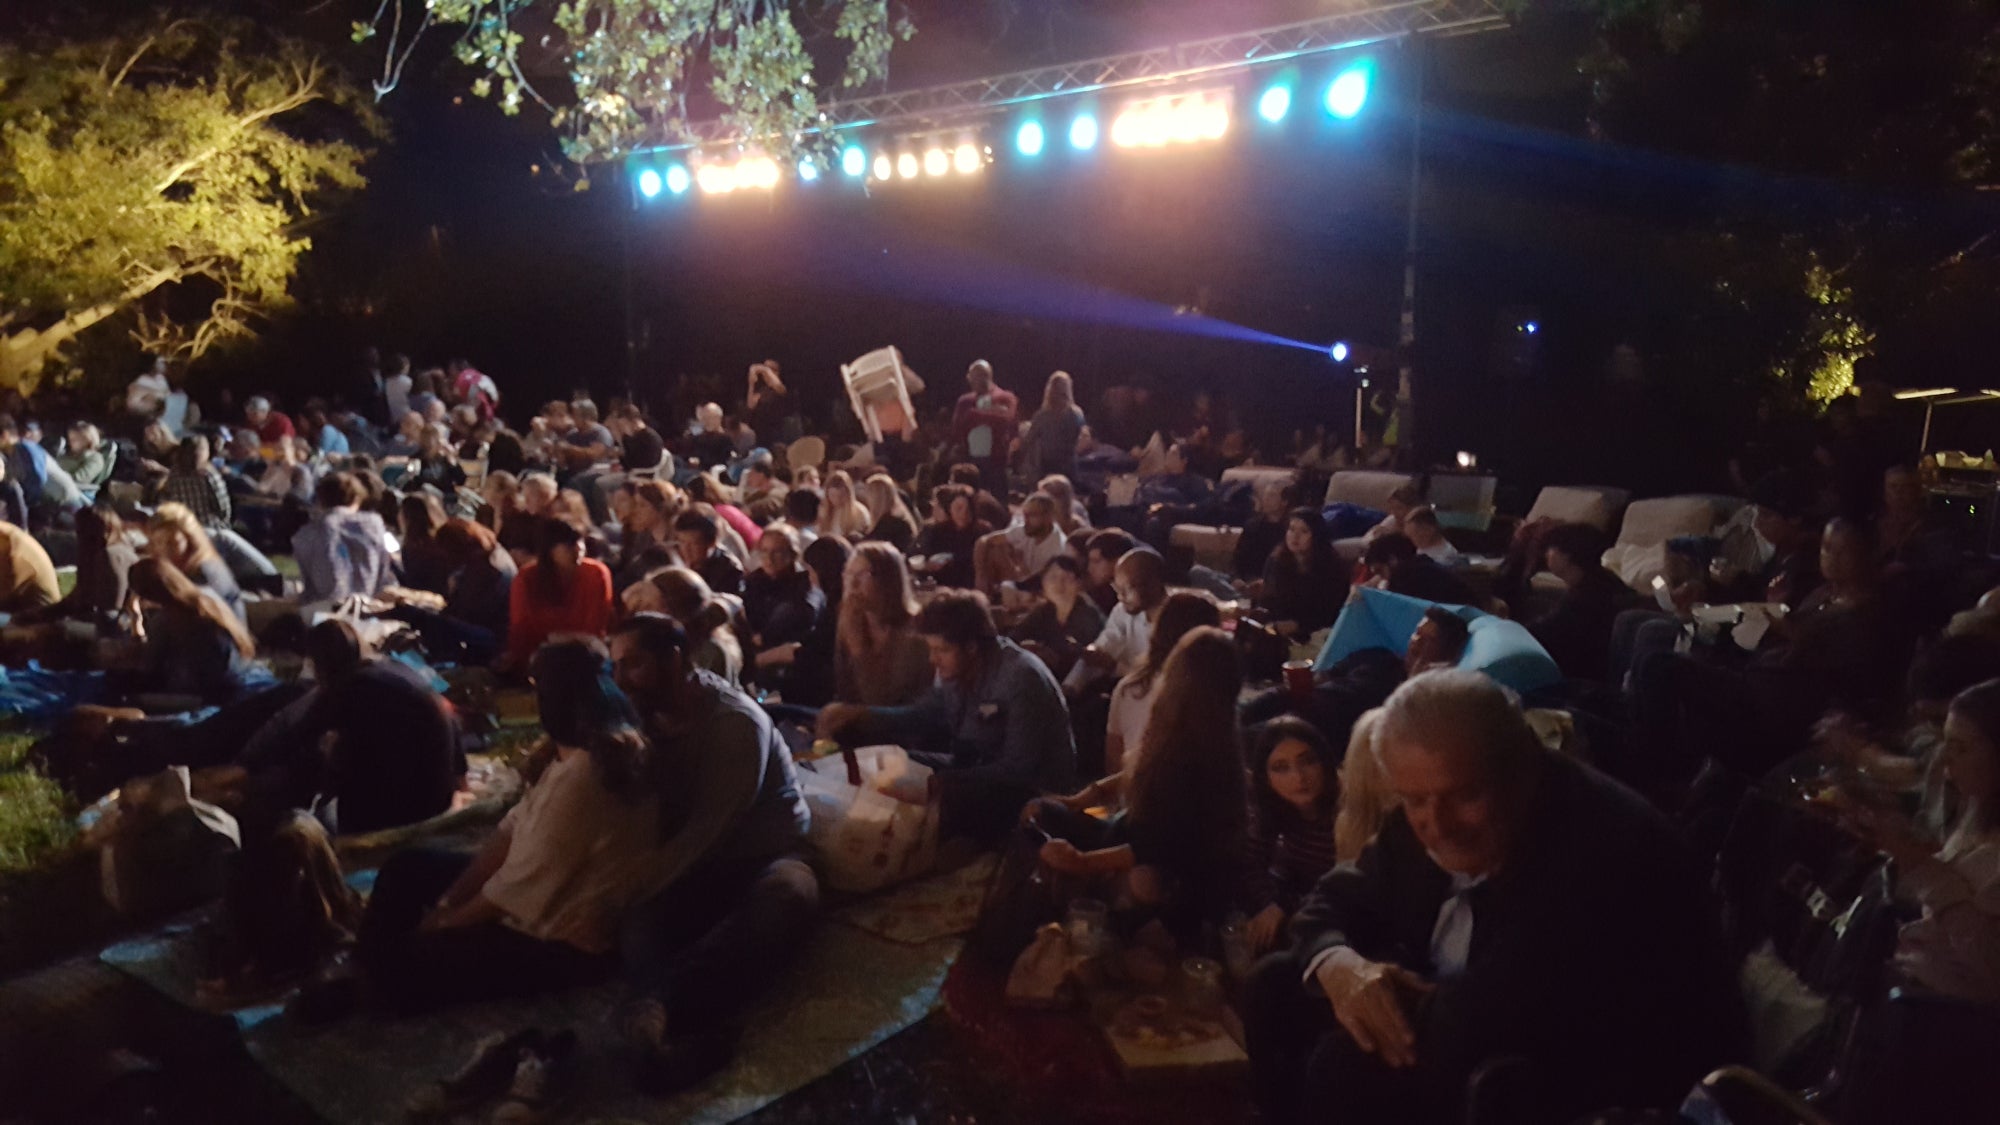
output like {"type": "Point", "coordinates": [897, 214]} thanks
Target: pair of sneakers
{"type": "Point", "coordinates": [525, 1071]}
{"type": "Point", "coordinates": [665, 1064]}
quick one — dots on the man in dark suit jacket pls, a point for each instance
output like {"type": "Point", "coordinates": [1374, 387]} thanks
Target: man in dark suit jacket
{"type": "Point", "coordinates": [1518, 904]}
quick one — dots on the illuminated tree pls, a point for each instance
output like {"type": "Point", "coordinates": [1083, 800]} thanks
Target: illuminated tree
{"type": "Point", "coordinates": [638, 71]}
{"type": "Point", "coordinates": [160, 178]}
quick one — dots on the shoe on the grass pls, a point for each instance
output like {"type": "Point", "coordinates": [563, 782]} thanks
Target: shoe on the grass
{"type": "Point", "coordinates": [683, 1062]}
{"type": "Point", "coordinates": [541, 1076]}
{"type": "Point", "coordinates": [483, 1077]}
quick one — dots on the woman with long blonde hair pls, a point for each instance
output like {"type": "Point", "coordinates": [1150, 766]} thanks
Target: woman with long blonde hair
{"type": "Point", "coordinates": [878, 660]}
{"type": "Point", "coordinates": [1365, 797]}
{"type": "Point", "coordinates": [893, 524]}
{"type": "Point", "coordinates": [174, 535]}
{"type": "Point", "coordinates": [842, 513]}
{"type": "Point", "coordinates": [1050, 444]}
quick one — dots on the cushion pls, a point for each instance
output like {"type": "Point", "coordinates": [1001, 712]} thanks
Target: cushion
{"type": "Point", "coordinates": [1598, 507]}
{"type": "Point", "coordinates": [1463, 501]}
{"type": "Point", "coordinates": [1257, 476]}
{"type": "Point", "coordinates": [1502, 649]}
{"type": "Point", "coordinates": [1213, 547]}
{"type": "Point", "coordinates": [1637, 565]}
{"type": "Point", "coordinates": [1365, 488]}
{"type": "Point", "coordinates": [1649, 523]}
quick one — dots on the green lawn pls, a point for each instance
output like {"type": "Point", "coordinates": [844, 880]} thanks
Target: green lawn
{"type": "Point", "coordinates": [35, 813]}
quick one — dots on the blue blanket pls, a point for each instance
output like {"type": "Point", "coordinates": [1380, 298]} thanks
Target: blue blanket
{"type": "Point", "coordinates": [1502, 649]}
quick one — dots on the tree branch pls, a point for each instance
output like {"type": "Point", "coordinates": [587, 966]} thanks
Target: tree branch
{"type": "Point", "coordinates": [305, 91]}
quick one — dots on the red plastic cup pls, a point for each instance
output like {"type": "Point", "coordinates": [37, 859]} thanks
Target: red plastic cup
{"type": "Point", "coordinates": [1299, 679]}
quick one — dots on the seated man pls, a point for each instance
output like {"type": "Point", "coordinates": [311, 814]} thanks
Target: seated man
{"type": "Point", "coordinates": [1517, 904]}
{"type": "Point", "coordinates": [1365, 679]}
{"type": "Point", "coordinates": [736, 894]}
{"type": "Point", "coordinates": [1140, 581]}
{"type": "Point", "coordinates": [1577, 632]}
{"type": "Point", "coordinates": [344, 550]}
{"type": "Point", "coordinates": [1424, 530]}
{"type": "Point", "coordinates": [1394, 564]}
{"type": "Point", "coordinates": [696, 535]}
{"type": "Point", "coordinates": [1018, 553]}
{"type": "Point", "coordinates": [996, 711]}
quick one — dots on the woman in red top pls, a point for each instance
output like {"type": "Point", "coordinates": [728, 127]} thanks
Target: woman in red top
{"type": "Point", "coordinates": [560, 592]}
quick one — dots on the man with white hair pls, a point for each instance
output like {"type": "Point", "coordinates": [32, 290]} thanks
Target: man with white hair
{"type": "Point", "coordinates": [1516, 904]}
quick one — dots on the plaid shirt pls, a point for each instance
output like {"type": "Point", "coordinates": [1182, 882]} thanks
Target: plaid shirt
{"type": "Point", "coordinates": [204, 494]}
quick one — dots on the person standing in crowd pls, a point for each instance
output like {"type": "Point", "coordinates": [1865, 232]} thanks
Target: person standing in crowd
{"type": "Point", "coordinates": [695, 537]}
{"type": "Point", "coordinates": [1049, 446]}
{"type": "Point", "coordinates": [879, 658]}
{"type": "Point", "coordinates": [342, 550]}
{"type": "Point", "coordinates": [995, 726]}
{"type": "Point", "coordinates": [768, 404]}
{"type": "Point", "coordinates": [733, 896]}
{"type": "Point", "coordinates": [396, 390]}
{"type": "Point", "coordinates": [983, 424]}
{"type": "Point", "coordinates": [562, 592]}
{"type": "Point", "coordinates": [1518, 903]}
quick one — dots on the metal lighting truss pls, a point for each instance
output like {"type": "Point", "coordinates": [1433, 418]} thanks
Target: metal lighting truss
{"type": "Point", "coordinates": [1225, 54]}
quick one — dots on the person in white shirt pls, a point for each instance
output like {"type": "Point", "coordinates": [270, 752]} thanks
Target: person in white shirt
{"type": "Point", "coordinates": [1140, 580]}
{"type": "Point", "coordinates": [396, 389]}
{"type": "Point", "coordinates": [145, 395]}
{"type": "Point", "coordinates": [1016, 555]}
{"type": "Point", "coordinates": [1421, 525]}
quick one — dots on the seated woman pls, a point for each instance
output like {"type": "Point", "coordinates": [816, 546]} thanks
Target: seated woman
{"type": "Point", "coordinates": [1294, 794]}
{"type": "Point", "coordinates": [87, 459]}
{"type": "Point", "coordinates": [173, 535]}
{"type": "Point", "coordinates": [102, 595]}
{"type": "Point", "coordinates": [1366, 800]}
{"type": "Point", "coordinates": [559, 593]}
{"type": "Point", "coordinates": [779, 602]}
{"type": "Point", "coordinates": [945, 550]}
{"type": "Point", "coordinates": [436, 465]}
{"type": "Point", "coordinates": [425, 563]}
{"type": "Point", "coordinates": [893, 524]}
{"type": "Point", "coordinates": [1178, 848]}
{"type": "Point", "coordinates": [1135, 697]}
{"type": "Point", "coordinates": [472, 627]}
{"type": "Point", "coordinates": [343, 550]}
{"type": "Point", "coordinates": [1071, 516]}
{"type": "Point", "coordinates": [646, 511]}
{"type": "Point", "coordinates": [840, 512]}
{"type": "Point", "coordinates": [1954, 948]}
{"type": "Point", "coordinates": [682, 595]}
{"type": "Point", "coordinates": [879, 659]}
{"type": "Point", "coordinates": [1304, 587]}
{"type": "Point", "coordinates": [1577, 632]}
{"type": "Point", "coordinates": [538, 907]}
{"type": "Point", "coordinates": [1065, 622]}
{"type": "Point", "coordinates": [195, 647]}
{"type": "Point", "coordinates": [806, 671]}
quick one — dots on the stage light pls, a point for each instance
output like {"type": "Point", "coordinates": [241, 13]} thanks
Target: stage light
{"type": "Point", "coordinates": [1029, 140]}
{"type": "Point", "coordinates": [936, 163]}
{"type": "Point", "coordinates": [759, 172]}
{"type": "Point", "coordinates": [854, 161]}
{"type": "Point", "coordinates": [967, 159]}
{"type": "Point", "coordinates": [1340, 352]}
{"type": "Point", "coordinates": [808, 170]}
{"type": "Point", "coordinates": [650, 183]}
{"type": "Point", "coordinates": [1531, 328]}
{"type": "Point", "coordinates": [1083, 132]}
{"type": "Point", "coordinates": [884, 167]}
{"type": "Point", "coordinates": [906, 166]}
{"type": "Point", "coordinates": [1349, 92]}
{"type": "Point", "coordinates": [678, 180]}
{"type": "Point", "coordinates": [1159, 122]}
{"type": "Point", "coordinates": [1275, 104]}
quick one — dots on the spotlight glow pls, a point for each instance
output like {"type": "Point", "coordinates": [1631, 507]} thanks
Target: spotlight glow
{"type": "Point", "coordinates": [759, 172]}
{"type": "Point", "coordinates": [1531, 328]}
{"type": "Point", "coordinates": [884, 167]}
{"type": "Point", "coordinates": [1349, 92]}
{"type": "Point", "coordinates": [936, 163]}
{"type": "Point", "coordinates": [967, 159]}
{"type": "Point", "coordinates": [1029, 140]}
{"type": "Point", "coordinates": [1159, 122]}
{"type": "Point", "coordinates": [678, 180]}
{"type": "Point", "coordinates": [906, 166]}
{"type": "Point", "coordinates": [854, 162]}
{"type": "Point", "coordinates": [1275, 104]}
{"type": "Point", "coordinates": [808, 170]}
{"type": "Point", "coordinates": [1083, 132]}
{"type": "Point", "coordinates": [1340, 352]}
{"type": "Point", "coordinates": [650, 183]}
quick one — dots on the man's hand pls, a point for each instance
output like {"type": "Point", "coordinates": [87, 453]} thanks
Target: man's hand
{"type": "Point", "coordinates": [1263, 930]}
{"type": "Point", "coordinates": [836, 717]}
{"type": "Point", "coordinates": [1366, 998]}
{"type": "Point", "coordinates": [1061, 855]}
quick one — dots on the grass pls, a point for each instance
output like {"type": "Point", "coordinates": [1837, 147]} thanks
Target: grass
{"type": "Point", "coordinates": [36, 815]}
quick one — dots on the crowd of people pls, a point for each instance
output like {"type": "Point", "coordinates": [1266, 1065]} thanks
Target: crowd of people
{"type": "Point", "coordinates": [1429, 882]}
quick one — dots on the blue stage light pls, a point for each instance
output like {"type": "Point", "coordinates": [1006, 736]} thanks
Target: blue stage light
{"type": "Point", "coordinates": [1339, 352]}
{"type": "Point", "coordinates": [649, 183]}
{"type": "Point", "coordinates": [1083, 132]}
{"type": "Point", "coordinates": [808, 170]}
{"type": "Point", "coordinates": [1029, 140]}
{"type": "Point", "coordinates": [678, 180]}
{"type": "Point", "coordinates": [1349, 92]}
{"type": "Point", "coordinates": [854, 162]}
{"type": "Point", "coordinates": [1275, 104]}
{"type": "Point", "coordinates": [1531, 328]}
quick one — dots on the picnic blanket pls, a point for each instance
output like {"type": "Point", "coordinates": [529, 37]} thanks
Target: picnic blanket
{"type": "Point", "coordinates": [1500, 648]}
{"type": "Point", "coordinates": [850, 989]}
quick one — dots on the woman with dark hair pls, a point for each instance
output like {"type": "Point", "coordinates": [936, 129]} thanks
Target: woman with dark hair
{"type": "Point", "coordinates": [779, 601]}
{"type": "Point", "coordinates": [1134, 699]}
{"type": "Point", "coordinates": [945, 549]}
{"type": "Point", "coordinates": [1304, 586]}
{"type": "Point", "coordinates": [879, 660]}
{"type": "Point", "coordinates": [1179, 844]}
{"type": "Point", "coordinates": [472, 627]}
{"type": "Point", "coordinates": [104, 561]}
{"type": "Point", "coordinates": [1065, 621]}
{"type": "Point", "coordinates": [424, 564]}
{"type": "Point", "coordinates": [1294, 797]}
{"type": "Point", "coordinates": [646, 511]}
{"type": "Point", "coordinates": [1577, 632]}
{"type": "Point", "coordinates": [561, 592]}
{"type": "Point", "coordinates": [538, 907]}
{"type": "Point", "coordinates": [195, 646]}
